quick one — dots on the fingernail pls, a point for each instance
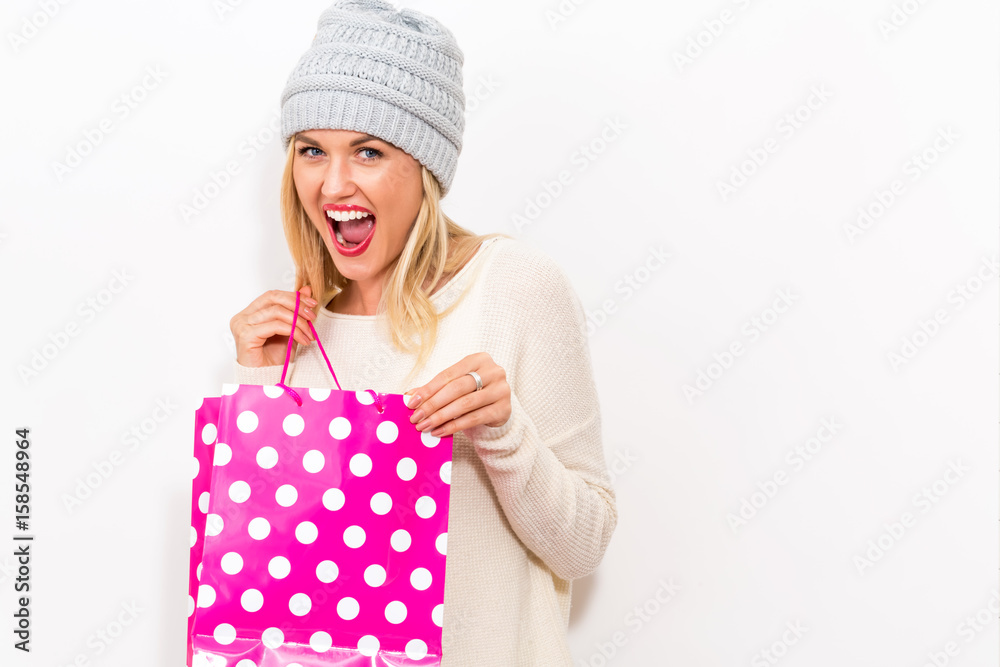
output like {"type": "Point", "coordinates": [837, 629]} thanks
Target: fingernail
{"type": "Point", "coordinates": [438, 431]}
{"type": "Point", "coordinates": [417, 416]}
{"type": "Point", "coordinates": [412, 401]}
{"type": "Point", "coordinates": [311, 302]}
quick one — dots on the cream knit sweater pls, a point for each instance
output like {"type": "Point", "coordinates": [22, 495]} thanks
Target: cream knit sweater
{"type": "Point", "coordinates": [531, 504]}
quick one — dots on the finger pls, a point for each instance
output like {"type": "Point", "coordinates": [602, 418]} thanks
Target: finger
{"type": "Point", "coordinates": [283, 298]}
{"type": "Point", "coordinates": [484, 415]}
{"type": "Point", "coordinates": [479, 362]}
{"type": "Point", "coordinates": [278, 313]}
{"type": "Point", "coordinates": [456, 401]}
{"type": "Point", "coordinates": [259, 334]}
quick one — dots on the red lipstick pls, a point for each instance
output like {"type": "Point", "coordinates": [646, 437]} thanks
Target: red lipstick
{"type": "Point", "coordinates": [342, 249]}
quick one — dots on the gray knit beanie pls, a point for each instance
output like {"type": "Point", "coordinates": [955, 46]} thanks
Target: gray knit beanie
{"type": "Point", "coordinates": [396, 75]}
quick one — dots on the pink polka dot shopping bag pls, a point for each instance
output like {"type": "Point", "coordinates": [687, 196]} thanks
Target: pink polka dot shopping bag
{"type": "Point", "coordinates": [319, 528]}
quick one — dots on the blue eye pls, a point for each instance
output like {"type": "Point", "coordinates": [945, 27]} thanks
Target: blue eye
{"type": "Point", "coordinates": [303, 149]}
{"type": "Point", "coordinates": [372, 153]}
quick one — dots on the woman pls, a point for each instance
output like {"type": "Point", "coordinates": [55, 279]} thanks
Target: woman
{"type": "Point", "coordinates": [484, 334]}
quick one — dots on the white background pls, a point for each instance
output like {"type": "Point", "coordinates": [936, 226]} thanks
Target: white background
{"type": "Point", "coordinates": [538, 90]}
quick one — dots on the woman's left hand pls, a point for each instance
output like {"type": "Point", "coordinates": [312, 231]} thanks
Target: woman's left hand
{"type": "Point", "coordinates": [450, 402]}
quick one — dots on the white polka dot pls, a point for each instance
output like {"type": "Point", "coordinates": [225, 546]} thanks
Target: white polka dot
{"type": "Point", "coordinates": [247, 421]}
{"type": "Point", "coordinates": [406, 469]}
{"type": "Point", "coordinates": [437, 615]}
{"type": "Point", "coordinates": [441, 544]}
{"type": "Point", "coordinates": [203, 502]}
{"type": "Point", "coordinates": [196, 467]}
{"type": "Point", "coordinates": [246, 662]}
{"type": "Point", "coordinates": [348, 608]}
{"type": "Point", "coordinates": [239, 491]}
{"type": "Point", "coordinates": [381, 503]}
{"type": "Point", "coordinates": [190, 605]}
{"type": "Point", "coordinates": [259, 528]}
{"type": "Point", "coordinates": [395, 612]}
{"type": "Point", "coordinates": [416, 649]}
{"type": "Point", "coordinates": [273, 391]}
{"type": "Point", "coordinates": [223, 454]}
{"type": "Point", "coordinates": [197, 572]}
{"type": "Point", "coordinates": [368, 645]}
{"type": "Point", "coordinates": [267, 457]}
{"type": "Point", "coordinates": [354, 536]}
{"type": "Point", "coordinates": [232, 563]}
{"type": "Point", "coordinates": [306, 532]}
{"type": "Point", "coordinates": [293, 664]}
{"type": "Point", "coordinates": [400, 540]}
{"type": "Point", "coordinates": [446, 472]}
{"type": "Point", "coordinates": [425, 507]}
{"type": "Point", "coordinates": [279, 567]}
{"type": "Point", "coordinates": [209, 433]}
{"type": "Point", "coordinates": [286, 495]}
{"type": "Point", "coordinates": [272, 638]}
{"type": "Point", "coordinates": [333, 499]}
{"type": "Point", "coordinates": [229, 388]}
{"type": "Point", "coordinates": [387, 432]}
{"type": "Point", "coordinates": [194, 535]}
{"type": "Point", "coordinates": [299, 604]}
{"type": "Point", "coordinates": [252, 600]}
{"type": "Point", "coordinates": [375, 575]}
{"type": "Point", "coordinates": [361, 465]}
{"type": "Point", "coordinates": [340, 428]}
{"type": "Point", "coordinates": [213, 525]}
{"type": "Point", "coordinates": [320, 641]}
{"type": "Point", "coordinates": [327, 571]}
{"type": "Point", "coordinates": [420, 579]}
{"type": "Point", "coordinates": [224, 633]}
{"type": "Point", "coordinates": [319, 394]}
{"type": "Point", "coordinates": [206, 596]}
{"type": "Point", "coordinates": [313, 461]}
{"type": "Point", "coordinates": [293, 424]}
{"type": "Point", "coordinates": [364, 397]}
{"type": "Point", "coordinates": [428, 439]}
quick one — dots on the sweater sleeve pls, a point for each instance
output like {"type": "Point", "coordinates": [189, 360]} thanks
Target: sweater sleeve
{"type": "Point", "coordinates": [265, 375]}
{"type": "Point", "coordinates": [546, 463]}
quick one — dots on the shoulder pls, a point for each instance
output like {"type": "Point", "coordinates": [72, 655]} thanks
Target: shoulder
{"type": "Point", "coordinates": [524, 279]}
{"type": "Point", "coordinates": [518, 265]}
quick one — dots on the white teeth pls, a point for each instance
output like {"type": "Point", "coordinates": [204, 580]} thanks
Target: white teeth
{"type": "Point", "coordinates": [341, 216]}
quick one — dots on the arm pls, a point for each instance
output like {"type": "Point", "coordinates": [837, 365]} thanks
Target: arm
{"type": "Point", "coordinates": [546, 463]}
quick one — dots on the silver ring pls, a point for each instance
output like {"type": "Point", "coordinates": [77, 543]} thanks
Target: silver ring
{"type": "Point", "coordinates": [479, 380]}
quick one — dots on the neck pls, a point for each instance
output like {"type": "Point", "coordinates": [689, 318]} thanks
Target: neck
{"type": "Point", "coordinates": [355, 299]}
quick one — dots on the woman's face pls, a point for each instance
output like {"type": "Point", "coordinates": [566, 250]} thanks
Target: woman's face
{"type": "Point", "coordinates": [338, 171]}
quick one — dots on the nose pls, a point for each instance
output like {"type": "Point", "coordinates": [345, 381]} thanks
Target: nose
{"type": "Point", "coordinates": [338, 181]}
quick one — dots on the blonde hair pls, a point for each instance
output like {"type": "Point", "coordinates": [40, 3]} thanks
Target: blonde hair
{"type": "Point", "coordinates": [404, 305]}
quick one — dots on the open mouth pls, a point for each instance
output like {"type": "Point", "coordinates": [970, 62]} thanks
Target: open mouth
{"type": "Point", "coordinates": [351, 227]}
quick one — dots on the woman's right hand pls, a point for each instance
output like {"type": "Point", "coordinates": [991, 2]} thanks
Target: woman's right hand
{"type": "Point", "coordinates": [261, 329]}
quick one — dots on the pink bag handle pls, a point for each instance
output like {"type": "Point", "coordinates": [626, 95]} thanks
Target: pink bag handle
{"type": "Point", "coordinates": [288, 356]}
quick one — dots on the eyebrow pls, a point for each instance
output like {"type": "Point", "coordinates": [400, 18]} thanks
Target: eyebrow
{"type": "Point", "coordinates": [359, 140]}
